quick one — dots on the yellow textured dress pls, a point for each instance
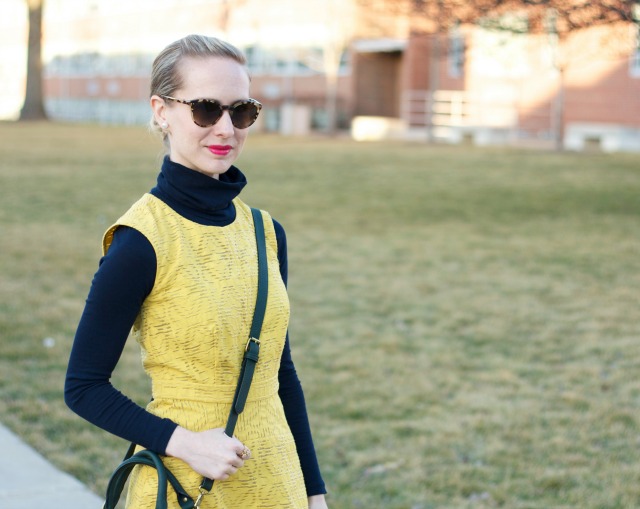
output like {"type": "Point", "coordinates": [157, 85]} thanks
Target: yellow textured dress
{"type": "Point", "coordinates": [192, 330]}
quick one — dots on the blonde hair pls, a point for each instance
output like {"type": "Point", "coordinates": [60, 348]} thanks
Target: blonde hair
{"type": "Point", "coordinates": [165, 74]}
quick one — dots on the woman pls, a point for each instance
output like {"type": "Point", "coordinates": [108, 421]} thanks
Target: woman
{"type": "Point", "coordinates": [180, 268]}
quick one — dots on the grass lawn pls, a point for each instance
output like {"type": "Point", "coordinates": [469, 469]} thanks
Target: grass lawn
{"type": "Point", "coordinates": [465, 321]}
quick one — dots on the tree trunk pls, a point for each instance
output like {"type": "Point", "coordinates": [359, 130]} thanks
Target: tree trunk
{"type": "Point", "coordinates": [434, 83]}
{"type": "Point", "coordinates": [332, 53]}
{"type": "Point", "coordinates": [331, 104]}
{"type": "Point", "coordinates": [558, 112]}
{"type": "Point", "coordinates": [33, 108]}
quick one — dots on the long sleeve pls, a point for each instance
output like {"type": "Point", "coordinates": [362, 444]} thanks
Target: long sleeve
{"type": "Point", "coordinates": [123, 280]}
{"type": "Point", "coordinates": [292, 396]}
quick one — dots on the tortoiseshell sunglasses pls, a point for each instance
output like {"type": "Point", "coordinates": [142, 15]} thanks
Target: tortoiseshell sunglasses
{"type": "Point", "coordinates": [206, 112]}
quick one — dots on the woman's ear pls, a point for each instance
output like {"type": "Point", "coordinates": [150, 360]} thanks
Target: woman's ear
{"type": "Point", "coordinates": [158, 106]}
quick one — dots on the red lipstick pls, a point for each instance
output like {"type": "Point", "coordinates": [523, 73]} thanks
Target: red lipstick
{"type": "Point", "coordinates": [220, 150]}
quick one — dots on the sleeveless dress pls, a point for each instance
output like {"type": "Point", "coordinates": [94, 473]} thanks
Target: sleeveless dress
{"type": "Point", "coordinates": [192, 330]}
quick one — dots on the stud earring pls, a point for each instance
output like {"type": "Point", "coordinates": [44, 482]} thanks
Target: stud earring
{"type": "Point", "coordinates": [164, 125]}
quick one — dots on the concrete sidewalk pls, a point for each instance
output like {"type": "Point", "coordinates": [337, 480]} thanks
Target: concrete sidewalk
{"type": "Point", "coordinates": [28, 481]}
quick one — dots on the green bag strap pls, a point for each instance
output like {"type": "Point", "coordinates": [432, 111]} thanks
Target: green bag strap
{"type": "Point", "coordinates": [252, 349]}
{"type": "Point", "coordinates": [151, 459]}
{"type": "Point", "coordinates": [263, 275]}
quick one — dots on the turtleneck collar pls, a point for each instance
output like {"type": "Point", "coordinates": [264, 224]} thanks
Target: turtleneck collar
{"type": "Point", "coordinates": [198, 197]}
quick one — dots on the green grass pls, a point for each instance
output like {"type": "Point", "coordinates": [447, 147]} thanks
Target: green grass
{"type": "Point", "coordinates": [465, 321]}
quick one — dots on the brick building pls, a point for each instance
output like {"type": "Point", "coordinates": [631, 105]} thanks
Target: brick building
{"type": "Point", "coordinates": [500, 86]}
{"type": "Point", "coordinates": [382, 78]}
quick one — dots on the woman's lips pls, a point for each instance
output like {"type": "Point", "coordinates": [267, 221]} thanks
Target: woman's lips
{"type": "Point", "coordinates": [220, 150]}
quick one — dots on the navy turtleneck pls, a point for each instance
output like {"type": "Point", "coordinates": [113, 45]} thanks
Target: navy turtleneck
{"type": "Point", "coordinates": [125, 277]}
{"type": "Point", "coordinates": [197, 196]}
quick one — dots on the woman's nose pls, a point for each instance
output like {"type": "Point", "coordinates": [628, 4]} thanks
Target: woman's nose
{"type": "Point", "coordinates": [224, 126]}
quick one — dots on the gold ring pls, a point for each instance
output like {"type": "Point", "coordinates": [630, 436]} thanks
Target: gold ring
{"type": "Point", "coordinates": [245, 453]}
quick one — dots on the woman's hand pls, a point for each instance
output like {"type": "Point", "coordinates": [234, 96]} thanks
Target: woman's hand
{"type": "Point", "coordinates": [211, 453]}
{"type": "Point", "coordinates": [317, 502]}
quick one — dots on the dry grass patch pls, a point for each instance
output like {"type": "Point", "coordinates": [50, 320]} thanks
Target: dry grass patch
{"type": "Point", "coordinates": [465, 321]}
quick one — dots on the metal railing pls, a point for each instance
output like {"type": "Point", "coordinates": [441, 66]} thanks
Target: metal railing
{"type": "Point", "coordinates": [446, 113]}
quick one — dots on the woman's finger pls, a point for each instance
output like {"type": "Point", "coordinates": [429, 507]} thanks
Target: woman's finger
{"type": "Point", "coordinates": [237, 462]}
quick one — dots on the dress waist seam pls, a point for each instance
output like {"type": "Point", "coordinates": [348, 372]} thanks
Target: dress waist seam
{"type": "Point", "coordinates": [213, 393]}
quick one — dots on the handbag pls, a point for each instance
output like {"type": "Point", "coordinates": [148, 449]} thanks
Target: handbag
{"type": "Point", "coordinates": [252, 350]}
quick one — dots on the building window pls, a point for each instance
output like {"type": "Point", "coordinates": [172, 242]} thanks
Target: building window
{"type": "Point", "coordinates": [300, 61]}
{"type": "Point", "coordinates": [634, 61]}
{"type": "Point", "coordinates": [634, 64]}
{"type": "Point", "coordinates": [456, 54]}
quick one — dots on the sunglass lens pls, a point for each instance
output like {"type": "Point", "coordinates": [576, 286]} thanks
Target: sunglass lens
{"type": "Point", "coordinates": [206, 113]}
{"type": "Point", "coordinates": [244, 114]}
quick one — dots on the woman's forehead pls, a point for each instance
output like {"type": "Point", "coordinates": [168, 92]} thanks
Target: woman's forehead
{"type": "Point", "coordinates": [213, 74]}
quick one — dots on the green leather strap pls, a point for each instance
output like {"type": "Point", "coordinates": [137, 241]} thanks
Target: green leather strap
{"type": "Point", "coordinates": [151, 459]}
{"type": "Point", "coordinates": [263, 275]}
